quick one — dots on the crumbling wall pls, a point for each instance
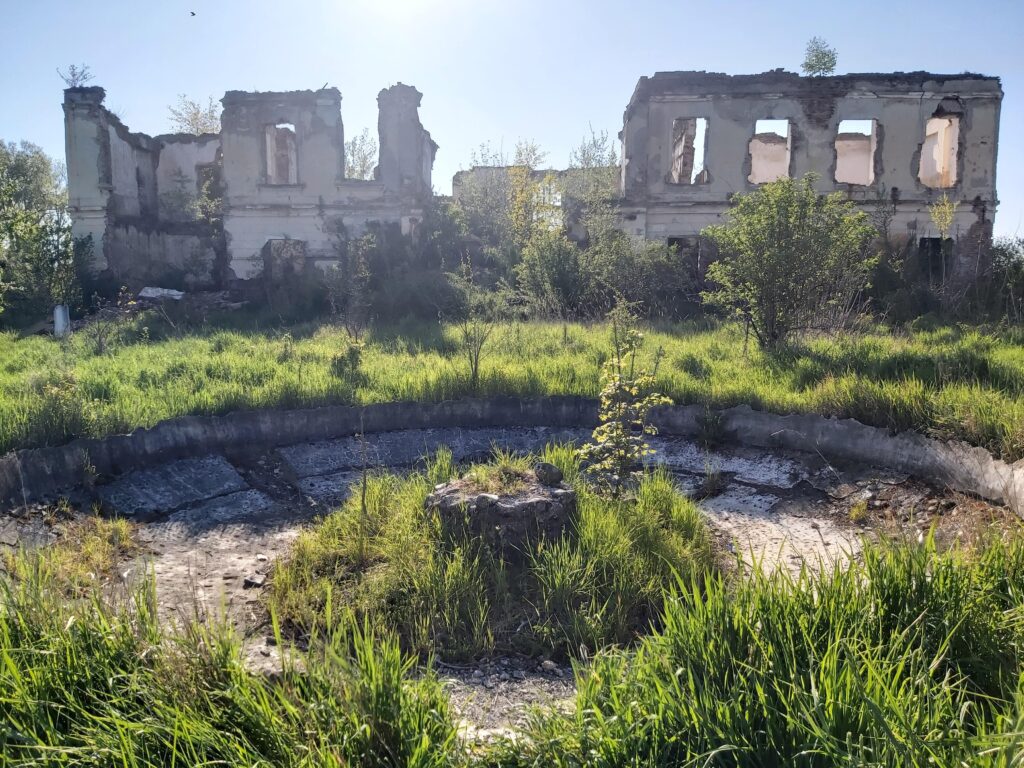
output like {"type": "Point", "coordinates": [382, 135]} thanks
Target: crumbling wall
{"type": "Point", "coordinates": [899, 104]}
{"type": "Point", "coordinates": [114, 195]}
{"type": "Point", "coordinates": [320, 204]}
{"type": "Point", "coordinates": [406, 149]}
{"type": "Point", "coordinates": [178, 172]}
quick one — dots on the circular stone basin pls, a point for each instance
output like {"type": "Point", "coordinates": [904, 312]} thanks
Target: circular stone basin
{"type": "Point", "coordinates": [541, 507]}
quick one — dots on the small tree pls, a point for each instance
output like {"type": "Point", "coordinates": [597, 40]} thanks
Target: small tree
{"type": "Point", "coordinates": [626, 399]}
{"type": "Point", "coordinates": [75, 76]}
{"type": "Point", "coordinates": [189, 116]}
{"type": "Point", "coordinates": [360, 156]}
{"type": "Point", "coordinates": [790, 259]}
{"type": "Point", "coordinates": [484, 309]}
{"type": "Point", "coordinates": [942, 214]}
{"type": "Point", "coordinates": [819, 59]}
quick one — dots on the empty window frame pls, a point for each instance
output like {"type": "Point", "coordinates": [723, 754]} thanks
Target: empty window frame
{"type": "Point", "coordinates": [689, 145]}
{"type": "Point", "coordinates": [282, 158]}
{"type": "Point", "coordinates": [856, 142]}
{"type": "Point", "coordinates": [770, 151]}
{"type": "Point", "coordinates": [939, 152]}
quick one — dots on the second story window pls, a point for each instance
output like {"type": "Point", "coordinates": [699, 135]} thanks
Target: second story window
{"type": "Point", "coordinates": [856, 142]}
{"type": "Point", "coordinates": [769, 151]}
{"type": "Point", "coordinates": [689, 142]}
{"type": "Point", "coordinates": [282, 160]}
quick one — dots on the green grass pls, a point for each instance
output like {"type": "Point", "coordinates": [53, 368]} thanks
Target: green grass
{"type": "Point", "coordinates": [86, 684]}
{"type": "Point", "coordinates": [951, 383]}
{"type": "Point", "coordinates": [913, 658]}
{"type": "Point", "coordinates": [444, 592]}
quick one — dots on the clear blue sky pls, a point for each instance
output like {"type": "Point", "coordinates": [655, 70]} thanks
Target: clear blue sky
{"type": "Point", "coordinates": [489, 70]}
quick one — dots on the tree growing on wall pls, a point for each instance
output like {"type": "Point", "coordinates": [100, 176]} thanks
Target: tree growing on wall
{"type": "Point", "coordinates": [790, 259]}
{"type": "Point", "coordinates": [360, 156]}
{"type": "Point", "coordinates": [189, 116]}
{"type": "Point", "coordinates": [820, 59]}
{"type": "Point", "coordinates": [75, 76]}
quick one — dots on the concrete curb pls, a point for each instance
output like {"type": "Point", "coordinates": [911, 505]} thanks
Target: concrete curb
{"type": "Point", "coordinates": [35, 474]}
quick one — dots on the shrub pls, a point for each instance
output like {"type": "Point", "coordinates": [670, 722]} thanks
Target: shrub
{"type": "Point", "coordinates": [790, 259]}
{"type": "Point", "coordinates": [552, 276]}
{"type": "Point", "coordinates": [626, 399]}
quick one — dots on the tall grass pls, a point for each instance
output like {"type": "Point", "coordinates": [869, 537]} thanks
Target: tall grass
{"type": "Point", "coordinates": [383, 558]}
{"type": "Point", "coordinates": [952, 382]}
{"type": "Point", "coordinates": [87, 684]}
{"type": "Point", "coordinates": [911, 658]}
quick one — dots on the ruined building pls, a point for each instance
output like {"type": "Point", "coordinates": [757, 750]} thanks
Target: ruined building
{"type": "Point", "coordinates": [690, 140]}
{"type": "Point", "coordinates": [208, 209]}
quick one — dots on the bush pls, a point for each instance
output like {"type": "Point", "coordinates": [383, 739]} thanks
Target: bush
{"type": "Point", "coordinates": [790, 259]}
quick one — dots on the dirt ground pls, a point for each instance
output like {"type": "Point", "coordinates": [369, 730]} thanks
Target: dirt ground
{"type": "Point", "coordinates": [212, 528]}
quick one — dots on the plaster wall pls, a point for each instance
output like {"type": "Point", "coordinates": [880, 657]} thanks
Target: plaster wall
{"type": "Point", "coordinates": [900, 105]}
{"type": "Point", "coordinates": [179, 156]}
{"type": "Point", "coordinates": [855, 159]}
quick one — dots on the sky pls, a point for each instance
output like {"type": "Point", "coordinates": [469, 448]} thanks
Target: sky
{"type": "Point", "coordinates": [490, 71]}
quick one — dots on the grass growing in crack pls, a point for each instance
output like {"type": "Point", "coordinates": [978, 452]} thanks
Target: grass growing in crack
{"type": "Point", "coordinates": [85, 556]}
{"type": "Point", "coordinates": [392, 565]}
{"type": "Point", "coordinates": [952, 382]}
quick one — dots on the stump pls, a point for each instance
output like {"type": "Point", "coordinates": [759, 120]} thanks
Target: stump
{"type": "Point", "coordinates": [508, 523]}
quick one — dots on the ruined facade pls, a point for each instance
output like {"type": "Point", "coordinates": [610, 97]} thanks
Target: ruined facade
{"type": "Point", "coordinates": [210, 209]}
{"type": "Point", "coordinates": [690, 140]}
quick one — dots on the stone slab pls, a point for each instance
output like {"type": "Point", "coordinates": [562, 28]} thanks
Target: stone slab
{"type": "Point", "coordinates": [405, 447]}
{"type": "Point", "coordinates": [328, 489]}
{"type": "Point", "coordinates": [171, 486]}
{"type": "Point", "coordinates": [249, 507]}
{"type": "Point", "coordinates": [749, 466]}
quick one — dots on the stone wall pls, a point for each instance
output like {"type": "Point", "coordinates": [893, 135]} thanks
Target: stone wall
{"type": "Point", "coordinates": [34, 474]}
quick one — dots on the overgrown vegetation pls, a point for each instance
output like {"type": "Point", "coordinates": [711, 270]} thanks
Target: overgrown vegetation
{"type": "Point", "coordinates": [948, 382]}
{"type": "Point", "coordinates": [911, 658]}
{"type": "Point", "coordinates": [87, 684]}
{"type": "Point", "coordinates": [790, 260]}
{"type": "Point", "coordinates": [382, 558]}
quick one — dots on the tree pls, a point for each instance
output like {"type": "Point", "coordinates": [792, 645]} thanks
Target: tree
{"type": "Point", "coordinates": [942, 214]}
{"type": "Point", "coordinates": [75, 76]}
{"type": "Point", "coordinates": [626, 399]}
{"type": "Point", "coordinates": [484, 310]}
{"type": "Point", "coordinates": [790, 259]}
{"type": "Point", "coordinates": [551, 277]}
{"type": "Point", "coordinates": [189, 116]}
{"type": "Point", "coordinates": [360, 156]}
{"type": "Point", "coordinates": [819, 58]}
{"type": "Point", "coordinates": [591, 183]}
{"type": "Point", "coordinates": [499, 199]}
{"type": "Point", "coordinates": [35, 232]}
